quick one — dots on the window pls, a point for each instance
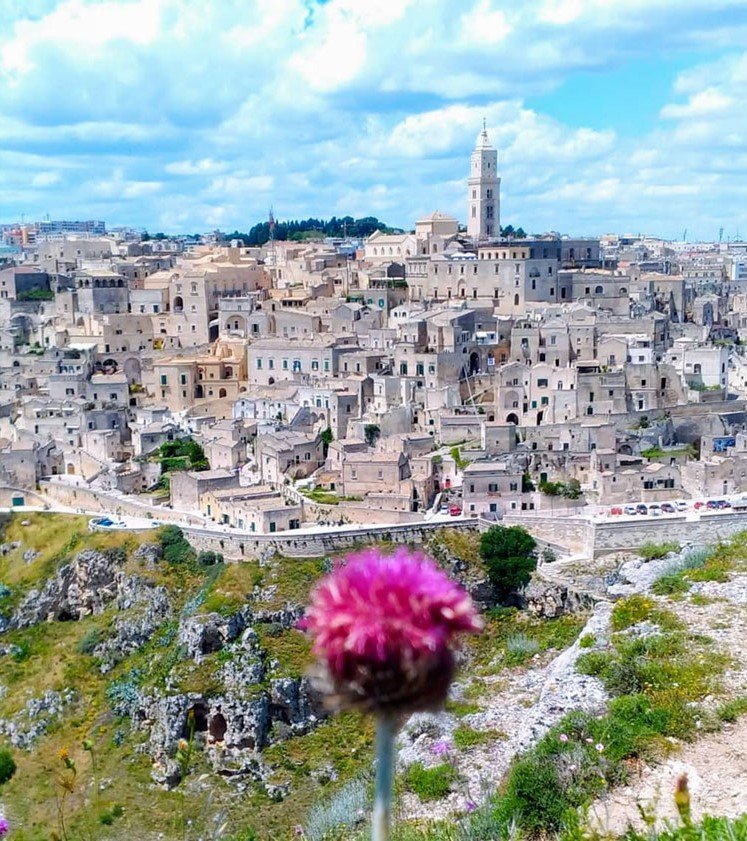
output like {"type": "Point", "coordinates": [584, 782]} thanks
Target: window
{"type": "Point", "coordinates": [542, 383]}
{"type": "Point", "coordinates": [164, 379]}
{"type": "Point", "coordinates": [259, 364]}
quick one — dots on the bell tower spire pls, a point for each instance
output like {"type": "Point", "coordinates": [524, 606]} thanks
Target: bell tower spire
{"type": "Point", "coordinates": [483, 190]}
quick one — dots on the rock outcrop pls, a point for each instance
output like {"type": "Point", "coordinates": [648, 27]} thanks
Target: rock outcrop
{"type": "Point", "coordinates": [83, 587]}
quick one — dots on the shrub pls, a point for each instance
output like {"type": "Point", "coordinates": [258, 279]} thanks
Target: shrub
{"type": "Point", "coordinates": [730, 711]}
{"type": "Point", "coordinates": [655, 551]}
{"type": "Point", "coordinates": [341, 810]}
{"type": "Point", "coordinates": [520, 647]}
{"type": "Point", "coordinates": [430, 783]}
{"type": "Point", "coordinates": [631, 611]}
{"type": "Point", "coordinates": [207, 558]}
{"type": "Point", "coordinates": [587, 641]}
{"type": "Point", "coordinates": [670, 584]}
{"type": "Point", "coordinates": [176, 548]}
{"type": "Point", "coordinates": [7, 766]}
{"type": "Point", "coordinates": [509, 558]}
{"type": "Point", "coordinates": [88, 642]}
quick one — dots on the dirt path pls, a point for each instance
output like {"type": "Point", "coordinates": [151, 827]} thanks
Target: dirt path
{"type": "Point", "coordinates": [716, 766]}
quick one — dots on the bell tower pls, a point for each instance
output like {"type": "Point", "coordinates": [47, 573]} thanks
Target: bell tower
{"type": "Point", "coordinates": [483, 190]}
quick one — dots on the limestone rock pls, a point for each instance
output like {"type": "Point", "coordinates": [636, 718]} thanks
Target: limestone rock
{"type": "Point", "coordinates": [79, 589]}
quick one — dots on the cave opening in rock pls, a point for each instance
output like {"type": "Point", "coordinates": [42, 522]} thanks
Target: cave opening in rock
{"type": "Point", "coordinates": [212, 641]}
{"type": "Point", "coordinates": [199, 713]}
{"type": "Point", "coordinates": [217, 727]}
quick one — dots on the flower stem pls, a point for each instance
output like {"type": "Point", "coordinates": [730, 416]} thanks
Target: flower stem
{"type": "Point", "coordinates": [386, 732]}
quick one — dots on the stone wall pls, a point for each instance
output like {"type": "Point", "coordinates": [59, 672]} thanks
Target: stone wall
{"type": "Point", "coordinates": [572, 534]}
{"type": "Point", "coordinates": [705, 529]}
{"type": "Point", "coordinates": [313, 545]}
{"type": "Point", "coordinates": [88, 500]}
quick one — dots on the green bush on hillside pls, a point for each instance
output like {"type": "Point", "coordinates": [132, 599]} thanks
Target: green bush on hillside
{"type": "Point", "coordinates": [7, 766]}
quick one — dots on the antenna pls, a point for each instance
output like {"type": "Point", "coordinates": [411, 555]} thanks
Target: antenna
{"type": "Point", "coordinates": [271, 225]}
{"type": "Point", "coordinates": [684, 235]}
{"type": "Point", "coordinates": [720, 235]}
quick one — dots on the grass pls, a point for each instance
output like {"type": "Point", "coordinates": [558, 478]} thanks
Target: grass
{"type": "Point", "coordinates": [509, 637]}
{"type": "Point", "coordinates": [233, 588]}
{"type": "Point", "coordinates": [430, 783]}
{"type": "Point", "coordinates": [639, 608]}
{"type": "Point", "coordinates": [655, 551]}
{"type": "Point", "coordinates": [729, 711]}
{"type": "Point", "coordinates": [703, 565]}
{"type": "Point", "coordinates": [290, 648]}
{"type": "Point", "coordinates": [467, 737]}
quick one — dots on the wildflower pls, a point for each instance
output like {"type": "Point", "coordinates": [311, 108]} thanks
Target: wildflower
{"type": "Point", "coordinates": [298, 831]}
{"type": "Point", "coordinates": [563, 737]}
{"type": "Point", "coordinates": [382, 627]}
{"type": "Point", "coordinates": [63, 754]}
{"type": "Point", "coordinates": [183, 744]}
{"type": "Point", "coordinates": [599, 747]}
{"type": "Point", "coordinates": [682, 799]}
{"type": "Point", "coordinates": [441, 748]}
{"type": "Point", "coordinates": [470, 806]}
{"type": "Point", "coordinates": [87, 745]}
{"type": "Point", "coordinates": [4, 826]}
{"type": "Point", "coordinates": [589, 741]}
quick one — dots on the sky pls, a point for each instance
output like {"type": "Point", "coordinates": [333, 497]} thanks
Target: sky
{"type": "Point", "coordinates": [620, 116]}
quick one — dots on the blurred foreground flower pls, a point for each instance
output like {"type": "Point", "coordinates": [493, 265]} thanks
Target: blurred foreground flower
{"type": "Point", "coordinates": [383, 629]}
{"type": "Point", "coordinates": [4, 826]}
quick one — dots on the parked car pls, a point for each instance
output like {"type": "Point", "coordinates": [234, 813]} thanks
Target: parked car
{"type": "Point", "coordinates": [641, 508]}
{"type": "Point", "coordinates": [630, 510]}
{"type": "Point", "coordinates": [698, 505]}
{"type": "Point", "coordinates": [681, 505]}
{"type": "Point", "coordinates": [444, 509]}
{"type": "Point", "coordinates": [712, 505]}
{"type": "Point", "coordinates": [455, 510]}
{"type": "Point", "coordinates": [654, 510]}
{"type": "Point", "coordinates": [616, 511]}
{"type": "Point", "coordinates": [667, 508]}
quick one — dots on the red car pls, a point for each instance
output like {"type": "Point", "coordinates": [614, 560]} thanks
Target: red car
{"type": "Point", "coordinates": [616, 511]}
{"type": "Point", "coordinates": [455, 510]}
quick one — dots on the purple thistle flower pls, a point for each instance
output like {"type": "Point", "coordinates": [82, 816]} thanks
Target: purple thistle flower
{"type": "Point", "coordinates": [383, 629]}
{"type": "Point", "coordinates": [441, 748]}
{"type": "Point", "coordinates": [470, 806]}
{"type": "Point", "coordinates": [4, 826]}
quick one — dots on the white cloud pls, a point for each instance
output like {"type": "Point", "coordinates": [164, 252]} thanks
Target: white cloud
{"type": "Point", "coordinates": [204, 166]}
{"type": "Point", "coordinates": [482, 24]}
{"type": "Point", "coordinates": [702, 103]}
{"type": "Point", "coordinates": [179, 114]}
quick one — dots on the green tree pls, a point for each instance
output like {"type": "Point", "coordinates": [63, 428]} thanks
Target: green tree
{"type": "Point", "coordinates": [371, 432]}
{"type": "Point", "coordinates": [327, 438]}
{"type": "Point", "coordinates": [508, 553]}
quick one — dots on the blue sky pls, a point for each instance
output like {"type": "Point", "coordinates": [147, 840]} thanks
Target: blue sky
{"type": "Point", "coordinates": [177, 115]}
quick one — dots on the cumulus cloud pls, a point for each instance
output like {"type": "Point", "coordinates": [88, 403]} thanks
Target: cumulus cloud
{"type": "Point", "coordinates": [182, 115]}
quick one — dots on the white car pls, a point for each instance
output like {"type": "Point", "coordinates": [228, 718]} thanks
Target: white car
{"type": "Point", "coordinates": [681, 505]}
